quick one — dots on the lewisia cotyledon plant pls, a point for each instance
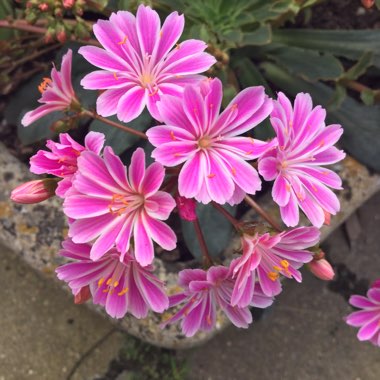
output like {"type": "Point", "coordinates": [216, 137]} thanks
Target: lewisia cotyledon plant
{"type": "Point", "coordinates": [368, 319]}
{"type": "Point", "coordinates": [265, 257]}
{"type": "Point", "coordinates": [120, 286]}
{"type": "Point", "coordinates": [57, 92]}
{"type": "Point", "coordinates": [62, 159]}
{"type": "Point", "coordinates": [109, 207]}
{"type": "Point", "coordinates": [209, 145]}
{"type": "Point", "coordinates": [304, 145]}
{"type": "Point", "coordinates": [139, 63]}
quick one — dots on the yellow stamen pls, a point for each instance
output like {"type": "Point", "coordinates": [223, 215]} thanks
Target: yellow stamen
{"type": "Point", "coordinates": [234, 107]}
{"type": "Point", "coordinates": [273, 276]}
{"type": "Point", "coordinates": [278, 269]}
{"type": "Point", "coordinates": [123, 41]}
{"type": "Point", "coordinates": [100, 282]}
{"type": "Point", "coordinates": [233, 171]}
{"type": "Point", "coordinates": [288, 187]}
{"type": "Point", "coordinates": [116, 283]}
{"type": "Point", "coordinates": [285, 264]}
{"type": "Point", "coordinates": [115, 76]}
{"type": "Point", "coordinates": [154, 92]}
{"type": "Point", "coordinates": [125, 290]}
{"type": "Point", "coordinates": [109, 281]}
{"type": "Point", "coordinates": [249, 152]}
{"type": "Point", "coordinates": [161, 33]}
{"type": "Point", "coordinates": [172, 136]}
{"type": "Point", "coordinates": [44, 85]}
{"type": "Point", "coordinates": [211, 175]}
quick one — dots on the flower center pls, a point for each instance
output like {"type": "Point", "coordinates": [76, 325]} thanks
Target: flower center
{"type": "Point", "coordinates": [122, 204]}
{"type": "Point", "coordinates": [204, 142]}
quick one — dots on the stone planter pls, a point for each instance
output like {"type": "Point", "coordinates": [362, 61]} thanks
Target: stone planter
{"type": "Point", "coordinates": [35, 233]}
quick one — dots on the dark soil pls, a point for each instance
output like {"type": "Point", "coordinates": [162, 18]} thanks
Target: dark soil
{"type": "Point", "coordinates": [344, 14]}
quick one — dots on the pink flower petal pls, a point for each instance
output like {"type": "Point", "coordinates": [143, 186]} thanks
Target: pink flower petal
{"type": "Point", "coordinates": [191, 175]}
{"type": "Point", "coordinates": [148, 28]}
{"type": "Point", "coordinates": [31, 116]}
{"type": "Point", "coordinates": [103, 59]}
{"type": "Point", "coordinates": [144, 252]}
{"type": "Point", "coordinates": [103, 80]}
{"type": "Point", "coordinates": [94, 141]}
{"type": "Point", "coordinates": [290, 212]}
{"type": "Point", "coordinates": [166, 134]}
{"type": "Point", "coordinates": [153, 179]}
{"type": "Point", "coordinates": [174, 153]}
{"type": "Point", "coordinates": [107, 102]}
{"type": "Point", "coordinates": [131, 104]}
{"type": "Point", "coordinates": [281, 191]}
{"type": "Point", "coordinates": [160, 205]}
{"type": "Point", "coordinates": [136, 172]}
{"type": "Point", "coordinates": [268, 168]}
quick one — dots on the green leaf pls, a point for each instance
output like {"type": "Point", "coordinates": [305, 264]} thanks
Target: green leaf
{"type": "Point", "coordinates": [368, 97]}
{"type": "Point", "coordinates": [6, 10]}
{"type": "Point", "coordinates": [361, 66]}
{"type": "Point", "coordinates": [361, 137]}
{"type": "Point", "coordinates": [350, 44]}
{"type": "Point", "coordinates": [120, 140]}
{"type": "Point", "coordinates": [338, 97]}
{"type": "Point", "coordinates": [261, 36]}
{"type": "Point", "coordinates": [308, 64]}
{"type": "Point", "coordinates": [216, 230]}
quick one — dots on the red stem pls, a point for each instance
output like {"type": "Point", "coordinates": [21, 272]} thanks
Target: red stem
{"type": "Point", "coordinates": [227, 215]}
{"type": "Point", "coordinates": [262, 213]}
{"type": "Point", "coordinates": [202, 243]}
{"type": "Point", "coordinates": [124, 128]}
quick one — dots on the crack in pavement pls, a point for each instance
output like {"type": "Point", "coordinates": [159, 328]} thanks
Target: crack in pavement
{"type": "Point", "coordinates": [86, 354]}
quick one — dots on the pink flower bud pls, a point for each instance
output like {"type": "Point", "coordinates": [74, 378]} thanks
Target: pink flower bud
{"type": "Point", "coordinates": [368, 3]}
{"type": "Point", "coordinates": [43, 7]}
{"type": "Point", "coordinates": [186, 208]}
{"type": "Point", "coordinates": [327, 218]}
{"type": "Point", "coordinates": [68, 3]}
{"type": "Point", "coordinates": [322, 269]}
{"type": "Point", "coordinates": [34, 191]}
{"type": "Point", "coordinates": [61, 36]}
{"type": "Point", "coordinates": [83, 295]}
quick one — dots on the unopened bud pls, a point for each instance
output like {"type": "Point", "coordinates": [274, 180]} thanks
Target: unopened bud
{"type": "Point", "coordinates": [49, 35]}
{"type": "Point", "coordinates": [322, 269]}
{"type": "Point", "coordinates": [61, 34]}
{"type": "Point", "coordinates": [327, 218]}
{"type": "Point", "coordinates": [368, 3]}
{"type": "Point", "coordinates": [68, 3]}
{"type": "Point", "coordinates": [34, 191]}
{"type": "Point", "coordinates": [186, 208]}
{"type": "Point", "coordinates": [83, 295]}
{"type": "Point", "coordinates": [43, 7]}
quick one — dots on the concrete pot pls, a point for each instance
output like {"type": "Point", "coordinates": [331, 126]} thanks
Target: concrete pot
{"type": "Point", "coordinates": [35, 233]}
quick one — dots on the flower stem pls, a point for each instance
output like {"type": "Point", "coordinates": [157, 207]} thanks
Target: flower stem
{"type": "Point", "coordinates": [124, 128]}
{"type": "Point", "coordinates": [262, 213]}
{"type": "Point", "coordinates": [202, 243]}
{"type": "Point", "coordinates": [227, 215]}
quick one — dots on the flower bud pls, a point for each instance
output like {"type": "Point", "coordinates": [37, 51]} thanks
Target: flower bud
{"type": "Point", "coordinates": [61, 34]}
{"type": "Point", "coordinates": [68, 3]}
{"type": "Point", "coordinates": [368, 3]}
{"type": "Point", "coordinates": [83, 295]}
{"type": "Point", "coordinates": [43, 7]}
{"type": "Point", "coordinates": [322, 269]}
{"type": "Point", "coordinates": [327, 218]}
{"type": "Point", "coordinates": [34, 191]}
{"type": "Point", "coordinates": [186, 208]}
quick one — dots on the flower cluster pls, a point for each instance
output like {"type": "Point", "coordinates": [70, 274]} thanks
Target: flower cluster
{"type": "Point", "coordinates": [117, 212]}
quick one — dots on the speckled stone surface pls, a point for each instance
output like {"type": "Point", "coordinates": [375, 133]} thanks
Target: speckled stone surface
{"type": "Point", "coordinates": [35, 232]}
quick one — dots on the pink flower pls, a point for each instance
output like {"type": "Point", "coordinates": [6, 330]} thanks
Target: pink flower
{"type": "Point", "coordinates": [109, 207]}
{"type": "Point", "coordinates": [304, 144]}
{"type": "Point", "coordinates": [367, 319]}
{"type": "Point", "coordinates": [57, 93]}
{"type": "Point", "coordinates": [138, 63]}
{"type": "Point", "coordinates": [120, 286]}
{"type": "Point", "coordinates": [34, 191]}
{"type": "Point", "coordinates": [203, 292]}
{"type": "Point", "coordinates": [322, 269]}
{"type": "Point", "coordinates": [186, 208]}
{"type": "Point", "coordinates": [266, 257]}
{"type": "Point", "coordinates": [62, 160]}
{"type": "Point", "coordinates": [208, 143]}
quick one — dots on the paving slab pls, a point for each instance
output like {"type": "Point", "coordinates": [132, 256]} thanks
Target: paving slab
{"type": "Point", "coordinates": [302, 336]}
{"type": "Point", "coordinates": [43, 335]}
